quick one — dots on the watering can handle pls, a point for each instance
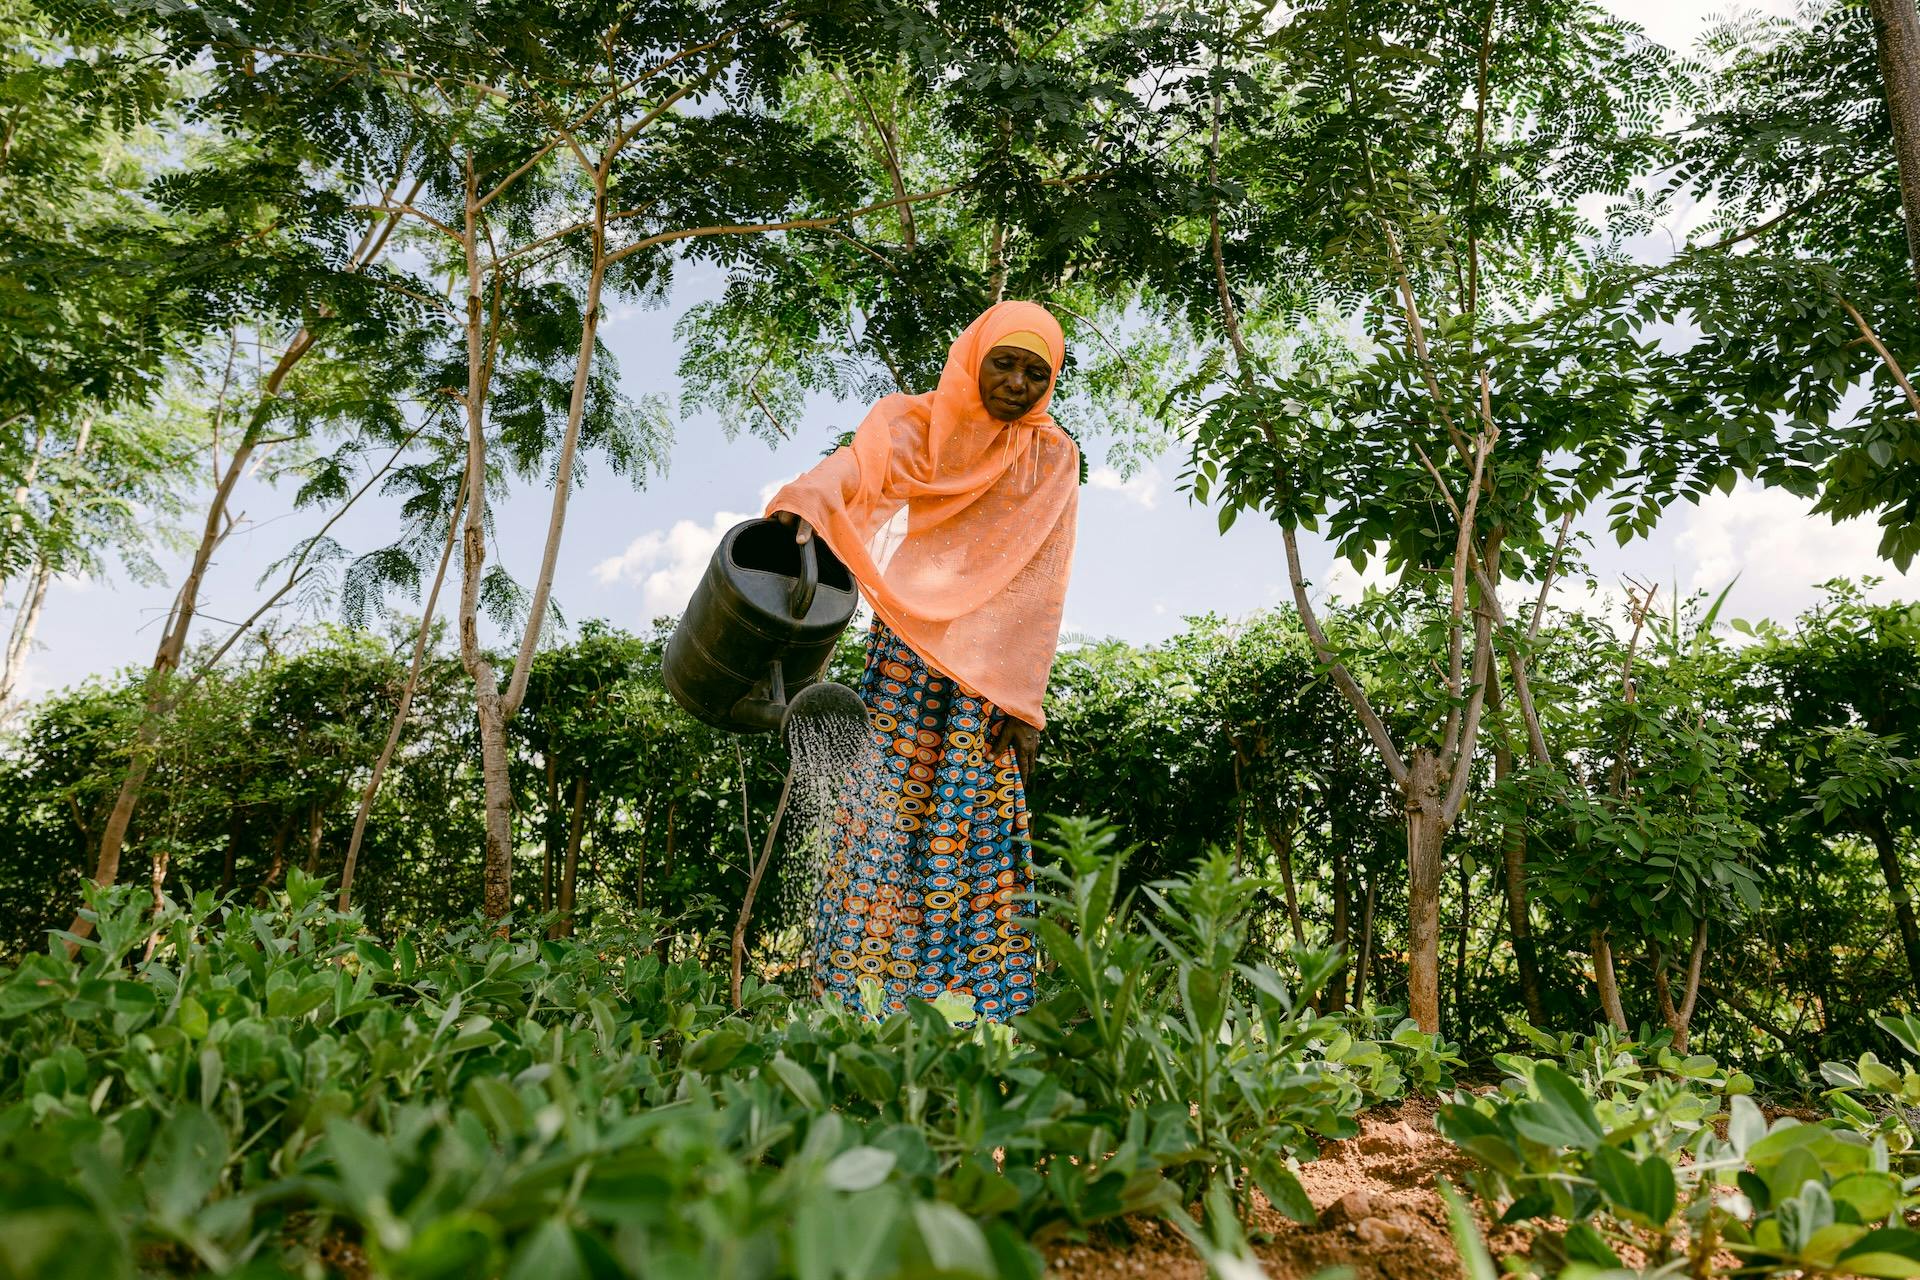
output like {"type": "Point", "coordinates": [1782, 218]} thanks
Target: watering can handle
{"type": "Point", "coordinates": [809, 580]}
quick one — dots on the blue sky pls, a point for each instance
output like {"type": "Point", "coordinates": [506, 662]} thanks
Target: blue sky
{"type": "Point", "coordinates": [1146, 555]}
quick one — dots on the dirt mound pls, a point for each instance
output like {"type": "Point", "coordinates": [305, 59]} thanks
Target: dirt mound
{"type": "Point", "coordinates": [1381, 1215]}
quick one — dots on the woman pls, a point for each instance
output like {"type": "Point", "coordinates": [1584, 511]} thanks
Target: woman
{"type": "Point", "coordinates": [955, 512]}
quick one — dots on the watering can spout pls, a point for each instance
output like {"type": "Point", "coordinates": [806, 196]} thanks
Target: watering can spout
{"type": "Point", "coordinates": [767, 708]}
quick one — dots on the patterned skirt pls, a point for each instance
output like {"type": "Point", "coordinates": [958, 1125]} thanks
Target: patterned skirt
{"type": "Point", "coordinates": [922, 886]}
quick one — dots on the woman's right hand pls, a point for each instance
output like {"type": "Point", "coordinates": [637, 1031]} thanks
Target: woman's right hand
{"type": "Point", "coordinates": [802, 531]}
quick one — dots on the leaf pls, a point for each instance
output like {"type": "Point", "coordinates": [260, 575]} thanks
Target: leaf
{"type": "Point", "coordinates": [1617, 1175]}
{"type": "Point", "coordinates": [1466, 1236]}
{"type": "Point", "coordinates": [191, 1018]}
{"type": "Point", "coordinates": [23, 994]}
{"type": "Point", "coordinates": [953, 1241]}
{"type": "Point", "coordinates": [1584, 1244]}
{"type": "Point", "coordinates": [1563, 1117]}
{"type": "Point", "coordinates": [716, 1049]}
{"type": "Point", "coordinates": [373, 955]}
{"type": "Point", "coordinates": [799, 1082]}
{"type": "Point", "coordinates": [1871, 1195]}
{"type": "Point", "coordinates": [548, 1254]}
{"type": "Point", "coordinates": [1745, 1124]}
{"type": "Point", "coordinates": [1881, 1266]}
{"type": "Point", "coordinates": [1661, 1191]}
{"type": "Point", "coordinates": [363, 1161]}
{"type": "Point", "coordinates": [1899, 1245]}
{"type": "Point", "coordinates": [1283, 1191]}
{"type": "Point", "coordinates": [858, 1168]}
{"type": "Point", "coordinates": [188, 1158]}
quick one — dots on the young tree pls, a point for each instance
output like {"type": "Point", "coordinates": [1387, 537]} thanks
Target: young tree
{"type": "Point", "coordinates": [1645, 830]}
{"type": "Point", "coordinates": [1849, 691]}
{"type": "Point", "coordinates": [1393, 250]}
{"type": "Point", "coordinates": [92, 458]}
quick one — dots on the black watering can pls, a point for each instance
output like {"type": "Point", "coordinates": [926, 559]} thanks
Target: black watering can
{"type": "Point", "coordinates": [750, 649]}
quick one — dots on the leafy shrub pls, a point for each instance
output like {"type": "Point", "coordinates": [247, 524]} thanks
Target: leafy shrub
{"type": "Point", "coordinates": [272, 1086]}
{"type": "Point", "coordinates": [1873, 1097]}
{"type": "Point", "coordinates": [1623, 1151]}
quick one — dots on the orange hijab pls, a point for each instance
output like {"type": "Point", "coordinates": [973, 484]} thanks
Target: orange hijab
{"type": "Point", "coordinates": [958, 526]}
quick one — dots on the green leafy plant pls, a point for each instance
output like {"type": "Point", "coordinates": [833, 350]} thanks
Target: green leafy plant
{"type": "Point", "coordinates": [229, 1088]}
{"type": "Point", "coordinates": [1628, 1159]}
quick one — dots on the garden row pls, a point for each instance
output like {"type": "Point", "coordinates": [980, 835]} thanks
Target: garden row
{"type": "Point", "coordinates": [267, 1090]}
{"type": "Point", "coordinates": [1613, 1152]}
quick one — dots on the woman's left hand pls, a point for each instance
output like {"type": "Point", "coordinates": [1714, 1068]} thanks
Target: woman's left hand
{"type": "Point", "coordinates": [1023, 738]}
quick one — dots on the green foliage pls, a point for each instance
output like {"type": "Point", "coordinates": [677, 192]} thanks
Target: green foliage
{"type": "Point", "coordinates": [1804, 257]}
{"type": "Point", "coordinates": [272, 1082]}
{"type": "Point", "coordinates": [1653, 812]}
{"type": "Point", "coordinates": [1874, 1098]}
{"type": "Point", "coordinates": [1627, 1152]}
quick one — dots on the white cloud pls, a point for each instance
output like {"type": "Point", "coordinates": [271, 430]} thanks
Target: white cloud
{"type": "Point", "coordinates": [1780, 551]}
{"type": "Point", "coordinates": [1142, 488]}
{"type": "Point", "coordinates": [667, 564]}
{"type": "Point", "coordinates": [772, 487]}
{"type": "Point", "coordinates": [1341, 581]}
{"type": "Point", "coordinates": [1678, 23]}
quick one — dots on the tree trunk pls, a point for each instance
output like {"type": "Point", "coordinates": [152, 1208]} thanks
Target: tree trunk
{"type": "Point", "coordinates": [665, 948]}
{"type": "Point", "coordinates": [1342, 907]}
{"type": "Point", "coordinates": [316, 821]}
{"type": "Point", "coordinates": [278, 863]}
{"type": "Point", "coordinates": [157, 700]}
{"type": "Point", "coordinates": [231, 852]}
{"type": "Point", "coordinates": [549, 836]}
{"type": "Point", "coordinates": [1889, 851]}
{"type": "Point", "coordinates": [1513, 857]}
{"type": "Point", "coordinates": [1460, 947]}
{"type": "Point", "coordinates": [1361, 969]}
{"type": "Point", "coordinates": [739, 947]}
{"type": "Point", "coordinates": [20, 642]}
{"type": "Point", "coordinates": [569, 875]}
{"type": "Point", "coordinates": [1897, 30]}
{"type": "Point", "coordinates": [394, 730]}
{"type": "Point", "coordinates": [1239, 817]}
{"type": "Point", "coordinates": [1425, 832]}
{"type": "Point", "coordinates": [160, 860]}
{"type": "Point", "coordinates": [1679, 1019]}
{"type": "Point", "coordinates": [1280, 837]}
{"type": "Point", "coordinates": [640, 862]}
{"type": "Point", "coordinates": [489, 710]}
{"type": "Point", "coordinates": [1605, 979]}
{"type": "Point", "coordinates": [27, 621]}
{"type": "Point", "coordinates": [497, 788]}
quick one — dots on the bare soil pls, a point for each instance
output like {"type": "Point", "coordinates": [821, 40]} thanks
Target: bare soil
{"type": "Point", "coordinates": [1381, 1215]}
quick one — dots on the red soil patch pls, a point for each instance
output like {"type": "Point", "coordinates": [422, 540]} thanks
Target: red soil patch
{"type": "Point", "coordinates": [1381, 1215]}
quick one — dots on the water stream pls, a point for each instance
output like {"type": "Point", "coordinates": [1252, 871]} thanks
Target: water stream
{"type": "Point", "coordinates": [829, 753]}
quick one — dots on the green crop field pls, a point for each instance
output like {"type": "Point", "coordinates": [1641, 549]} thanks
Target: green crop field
{"type": "Point", "coordinates": [1437, 797]}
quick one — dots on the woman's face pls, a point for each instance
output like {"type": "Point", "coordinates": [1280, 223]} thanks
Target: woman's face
{"type": "Point", "coordinates": [1012, 380]}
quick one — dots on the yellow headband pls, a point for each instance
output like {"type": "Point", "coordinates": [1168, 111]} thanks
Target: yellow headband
{"type": "Point", "coordinates": [1028, 340]}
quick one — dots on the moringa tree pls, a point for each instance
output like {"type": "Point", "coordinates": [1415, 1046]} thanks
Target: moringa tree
{"type": "Point", "coordinates": [1800, 288]}
{"type": "Point", "coordinates": [248, 238]}
{"type": "Point", "coordinates": [1391, 249]}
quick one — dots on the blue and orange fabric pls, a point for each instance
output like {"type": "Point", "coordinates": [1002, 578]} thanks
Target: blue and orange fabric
{"type": "Point", "coordinates": [923, 888]}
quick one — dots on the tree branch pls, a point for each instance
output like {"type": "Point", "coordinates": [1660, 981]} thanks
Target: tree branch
{"type": "Point", "coordinates": [794, 224]}
{"type": "Point", "coordinates": [1886, 357]}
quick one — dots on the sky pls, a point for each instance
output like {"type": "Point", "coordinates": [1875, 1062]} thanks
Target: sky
{"type": "Point", "coordinates": [1147, 556]}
